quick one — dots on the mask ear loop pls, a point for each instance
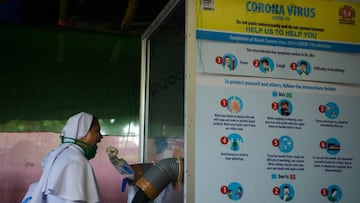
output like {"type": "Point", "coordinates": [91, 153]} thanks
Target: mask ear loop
{"type": "Point", "coordinates": [62, 138]}
{"type": "Point", "coordinates": [75, 141]}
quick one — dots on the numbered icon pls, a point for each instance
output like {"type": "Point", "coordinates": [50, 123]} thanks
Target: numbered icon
{"type": "Point", "coordinates": [224, 189]}
{"type": "Point", "coordinates": [333, 193]}
{"type": "Point", "coordinates": [276, 191]}
{"type": "Point", "coordinates": [332, 146]}
{"type": "Point", "coordinates": [331, 110]}
{"type": "Point", "coordinates": [323, 144]}
{"type": "Point", "coordinates": [235, 104]}
{"type": "Point", "coordinates": [266, 65]}
{"type": "Point", "coordinates": [224, 140]}
{"type": "Point", "coordinates": [287, 192]}
{"type": "Point", "coordinates": [303, 68]}
{"type": "Point", "coordinates": [224, 102]}
{"type": "Point", "coordinates": [293, 66]}
{"type": "Point", "coordinates": [286, 144]}
{"type": "Point", "coordinates": [256, 63]}
{"type": "Point", "coordinates": [275, 142]}
{"type": "Point", "coordinates": [322, 108]}
{"type": "Point", "coordinates": [219, 60]}
{"type": "Point", "coordinates": [324, 192]}
{"type": "Point", "coordinates": [234, 191]}
{"type": "Point", "coordinates": [285, 107]}
{"type": "Point", "coordinates": [275, 106]}
{"type": "Point", "coordinates": [229, 62]}
{"type": "Point", "coordinates": [235, 141]}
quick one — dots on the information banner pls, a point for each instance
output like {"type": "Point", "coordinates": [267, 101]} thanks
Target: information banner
{"type": "Point", "coordinates": [277, 101]}
{"type": "Point", "coordinates": [268, 140]}
{"type": "Point", "coordinates": [326, 20]}
{"type": "Point", "coordinates": [305, 40]}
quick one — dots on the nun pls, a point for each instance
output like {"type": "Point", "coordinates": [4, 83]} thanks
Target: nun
{"type": "Point", "coordinates": [67, 175]}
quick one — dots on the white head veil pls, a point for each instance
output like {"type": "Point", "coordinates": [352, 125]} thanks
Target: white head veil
{"type": "Point", "coordinates": [76, 127]}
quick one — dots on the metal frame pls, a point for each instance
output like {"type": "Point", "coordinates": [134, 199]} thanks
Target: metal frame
{"type": "Point", "coordinates": [145, 72]}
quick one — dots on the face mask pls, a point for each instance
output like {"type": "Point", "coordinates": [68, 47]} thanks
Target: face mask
{"type": "Point", "coordinates": [90, 150]}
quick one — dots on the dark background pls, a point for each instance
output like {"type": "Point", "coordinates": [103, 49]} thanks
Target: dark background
{"type": "Point", "coordinates": [49, 72]}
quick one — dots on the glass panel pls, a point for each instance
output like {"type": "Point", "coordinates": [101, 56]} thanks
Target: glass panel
{"type": "Point", "coordinates": [166, 88]}
{"type": "Point", "coordinates": [165, 130]}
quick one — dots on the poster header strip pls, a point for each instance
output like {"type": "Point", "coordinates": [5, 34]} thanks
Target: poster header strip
{"type": "Point", "coordinates": [276, 41]}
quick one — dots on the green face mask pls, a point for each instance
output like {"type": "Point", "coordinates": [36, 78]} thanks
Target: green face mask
{"type": "Point", "coordinates": [90, 150]}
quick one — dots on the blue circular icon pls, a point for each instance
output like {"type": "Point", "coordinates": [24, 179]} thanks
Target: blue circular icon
{"type": "Point", "coordinates": [287, 192]}
{"type": "Point", "coordinates": [235, 104]}
{"type": "Point", "coordinates": [334, 193]}
{"type": "Point", "coordinates": [229, 62]}
{"type": "Point", "coordinates": [235, 141]}
{"type": "Point", "coordinates": [304, 68]}
{"type": "Point", "coordinates": [331, 110]}
{"type": "Point", "coordinates": [236, 191]}
{"type": "Point", "coordinates": [266, 65]}
{"type": "Point", "coordinates": [285, 107]}
{"type": "Point", "coordinates": [332, 146]}
{"type": "Point", "coordinates": [286, 144]}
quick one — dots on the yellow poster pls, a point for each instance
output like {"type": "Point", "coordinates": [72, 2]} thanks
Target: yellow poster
{"type": "Point", "coordinates": [324, 20]}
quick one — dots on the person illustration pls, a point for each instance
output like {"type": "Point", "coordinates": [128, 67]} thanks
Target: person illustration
{"type": "Point", "coordinates": [227, 63]}
{"type": "Point", "coordinates": [67, 175]}
{"type": "Point", "coordinates": [230, 194]}
{"type": "Point", "coordinates": [235, 191]}
{"type": "Point", "coordinates": [333, 195]}
{"type": "Point", "coordinates": [234, 145]}
{"type": "Point", "coordinates": [303, 71]}
{"type": "Point", "coordinates": [284, 108]}
{"type": "Point", "coordinates": [239, 193]}
{"type": "Point", "coordinates": [235, 141]}
{"type": "Point", "coordinates": [286, 194]}
{"type": "Point", "coordinates": [265, 65]}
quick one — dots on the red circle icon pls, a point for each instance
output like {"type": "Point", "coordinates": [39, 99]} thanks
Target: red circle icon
{"type": "Point", "coordinates": [276, 190]}
{"type": "Point", "coordinates": [323, 144]}
{"type": "Point", "coordinates": [219, 60]}
{"type": "Point", "coordinates": [224, 189]}
{"type": "Point", "coordinates": [224, 103]}
{"type": "Point", "coordinates": [322, 108]}
{"type": "Point", "coordinates": [256, 63]}
{"type": "Point", "coordinates": [324, 192]}
{"type": "Point", "coordinates": [275, 142]}
{"type": "Point", "coordinates": [293, 66]}
{"type": "Point", "coordinates": [275, 106]}
{"type": "Point", "coordinates": [224, 140]}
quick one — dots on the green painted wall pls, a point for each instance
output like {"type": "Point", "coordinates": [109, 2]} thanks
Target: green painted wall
{"type": "Point", "coordinates": [49, 73]}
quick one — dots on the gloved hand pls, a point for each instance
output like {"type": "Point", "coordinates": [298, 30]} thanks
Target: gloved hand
{"type": "Point", "coordinates": [120, 164]}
